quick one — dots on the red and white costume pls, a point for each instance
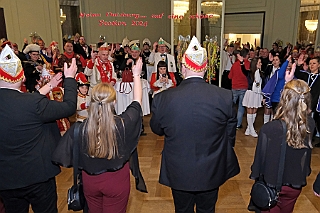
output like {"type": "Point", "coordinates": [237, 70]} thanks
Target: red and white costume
{"type": "Point", "coordinates": [83, 100]}
{"type": "Point", "coordinates": [99, 71]}
{"type": "Point", "coordinates": [82, 107]}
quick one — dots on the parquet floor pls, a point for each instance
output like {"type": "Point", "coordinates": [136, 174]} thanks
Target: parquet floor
{"type": "Point", "coordinates": [233, 195]}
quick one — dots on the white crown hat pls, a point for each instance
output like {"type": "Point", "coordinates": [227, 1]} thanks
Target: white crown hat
{"type": "Point", "coordinates": [146, 41]}
{"type": "Point", "coordinates": [134, 45]}
{"type": "Point", "coordinates": [195, 57]}
{"type": "Point", "coordinates": [104, 46]}
{"type": "Point", "coordinates": [10, 66]}
{"type": "Point", "coordinates": [125, 42]}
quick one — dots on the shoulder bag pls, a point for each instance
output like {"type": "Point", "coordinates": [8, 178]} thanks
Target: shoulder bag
{"type": "Point", "coordinates": [127, 78]}
{"type": "Point", "coordinates": [262, 195]}
{"type": "Point", "coordinates": [76, 199]}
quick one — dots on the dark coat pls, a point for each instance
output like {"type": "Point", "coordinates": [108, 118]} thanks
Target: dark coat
{"type": "Point", "coordinates": [29, 134]}
{"type": "Point", "coordinates": [199, 124]}
{"type": "Point", "coordinates": [77, 48]}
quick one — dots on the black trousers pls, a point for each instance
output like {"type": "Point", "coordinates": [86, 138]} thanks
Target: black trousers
{"type": "Point", "coordinates": [225, 81]}
{"type": "Point", "coordinates": [274, 106]}
{"type": "Point", "coordinates": [41, 196]}
{"type": "Point", "coordinates": [205, 201]}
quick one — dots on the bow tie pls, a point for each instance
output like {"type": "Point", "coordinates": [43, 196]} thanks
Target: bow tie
{"type": "Point", "coordinates": [163, 55]}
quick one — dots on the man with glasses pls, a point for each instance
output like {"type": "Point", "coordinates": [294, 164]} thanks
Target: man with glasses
{"type": "Point", "coordinates": [33, 67]}
{"type": "Point", "coordinates": [162, 55]}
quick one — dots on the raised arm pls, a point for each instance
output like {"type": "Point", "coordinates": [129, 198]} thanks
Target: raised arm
{"type": "Point", "coordinates": [243, 67]}
{"type": "Point", "coordinates": [137, 88]}
{"type": "Point", "coordinates": [282, 70]}
{"type": "Point", "coordinates": [55, 80]}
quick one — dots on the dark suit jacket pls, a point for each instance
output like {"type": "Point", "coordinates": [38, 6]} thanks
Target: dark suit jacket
{"type": "Point", "coordinates": [29, 134]}
{"type": "Point", "coordinates": [77, 48]}
{"type": "Point", "coordinates": [199, 124]}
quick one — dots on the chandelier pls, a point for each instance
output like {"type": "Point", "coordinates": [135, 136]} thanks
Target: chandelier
{"type": "Point", "coordinates": [213, 9]}
{"type": "Point", "coordinates": [311, 25]}
{"type": "Point", "coordinates": [180, 8]}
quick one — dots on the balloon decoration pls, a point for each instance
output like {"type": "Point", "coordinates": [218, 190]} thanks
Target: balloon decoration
{"type": "Point", "coordinates": [212, 47]}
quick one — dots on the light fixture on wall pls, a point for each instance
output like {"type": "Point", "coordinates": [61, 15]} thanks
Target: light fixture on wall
{"type": "Point", "coordinates": [311, 25]}
{"type": "Point", "coordinates": [63, 17]}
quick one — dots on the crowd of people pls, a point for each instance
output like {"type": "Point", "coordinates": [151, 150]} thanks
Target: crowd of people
{"type": "Point", "coordinates": [40, 88]}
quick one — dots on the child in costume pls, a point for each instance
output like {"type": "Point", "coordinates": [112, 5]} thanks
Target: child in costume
{"type": "Point", "coordinates": [83, 98]}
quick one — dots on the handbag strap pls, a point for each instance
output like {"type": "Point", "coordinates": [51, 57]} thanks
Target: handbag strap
{"type": "Point", "coordinates": [282, 156]}
{"type": "Point", "coordinates": [76, 151]}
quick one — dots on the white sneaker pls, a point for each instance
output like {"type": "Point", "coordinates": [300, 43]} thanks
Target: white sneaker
{"type": "Point", "coordinates": [253, 133]}
{"type": "Point", "coordinates": [247, 132]}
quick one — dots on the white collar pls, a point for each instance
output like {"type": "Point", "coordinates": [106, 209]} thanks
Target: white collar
{"type": "Point", "coordinates": [193, 76]}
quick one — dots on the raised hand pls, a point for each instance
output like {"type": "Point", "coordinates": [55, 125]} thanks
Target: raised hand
{"type": "Point", "coordinates": [137, 68]}
{"type": "Point", "coordinates": [270, 57]}
{"type": "Point", "coordinates": [56, 79]}
{"type": "Point", "coordinates": [289, 58]}
{"type": "Point", "coordinates": [93, 55]}
{"type": "Point", "coordinates": [301, 59]}
{"type": "Point", "coordinates": [72, 70]}
{"type": "Point", "coordinates": [290, 73]}
{"type": "Point", "coordinates": [155, 45]}
{"type": "Point", "coordinates": [239, 57]}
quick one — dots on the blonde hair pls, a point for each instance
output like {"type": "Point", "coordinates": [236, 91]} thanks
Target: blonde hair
{"type": "Point", "coordinates": [100, 125]}
{"type": "Point", "coordinates": [293, 108]}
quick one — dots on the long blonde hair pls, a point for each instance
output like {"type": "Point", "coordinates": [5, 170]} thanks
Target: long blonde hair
{"type": "Point", "coordinates": [100, 125]}
{"type": "Point", "coordinates": [293, 108]}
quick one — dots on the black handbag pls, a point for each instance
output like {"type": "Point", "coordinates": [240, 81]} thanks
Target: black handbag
{"type": "Point", "coordinates": [76, 200]}
{"type": "Point", "coordinates": [262, 195]}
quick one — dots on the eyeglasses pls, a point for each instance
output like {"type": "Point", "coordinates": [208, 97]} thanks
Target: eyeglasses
{"type": "Point", "coordinates": [35, 54]}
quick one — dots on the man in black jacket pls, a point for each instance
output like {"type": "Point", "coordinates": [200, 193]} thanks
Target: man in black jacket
{"type": "Point", "coordinates": [199, 124]}
{"type": "Point", "coordinates": [82, 48]}
{"type": "Point", "coordinates": [29, 135]}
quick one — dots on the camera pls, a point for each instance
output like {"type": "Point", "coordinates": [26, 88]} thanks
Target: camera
{"type": "Point", "coordinates": [164, 75]}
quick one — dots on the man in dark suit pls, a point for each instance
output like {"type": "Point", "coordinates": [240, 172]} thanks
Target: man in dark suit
{"type": "Point", "coordinates": [82, 48]}
{"type": "Point", "coordinates": [199, 124]}
{"type": "Point", "coordinates": [29, 135]}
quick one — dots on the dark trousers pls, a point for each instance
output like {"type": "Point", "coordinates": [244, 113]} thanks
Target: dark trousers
{"type": "Point", "coordinates": [41, 196]}
{"type": "Point", "coordinates": [225, 81]}
{"type": "Point", "coordinates": [205, 201]}
{"type": "Point", "coordinates": [274, 106]}
{"type": "Point", "coordinates": [2, 210]}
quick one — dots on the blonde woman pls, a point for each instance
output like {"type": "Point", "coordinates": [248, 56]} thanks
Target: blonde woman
{"type": "Point", "coordinates": [107, 142]}
{"type": "Point", "coordinates": [294, 110]}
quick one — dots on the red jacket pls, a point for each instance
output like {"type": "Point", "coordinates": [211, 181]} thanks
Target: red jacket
{"type": "Point", "coordinates": [238, 79]}
{"type": "Point", "coordinates": [154, 79]}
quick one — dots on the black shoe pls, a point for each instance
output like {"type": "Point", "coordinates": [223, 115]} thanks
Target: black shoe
{"type": "Point", "coordinates": [239, 127]}
{"type": "Point", "coordinates": [317, 145]}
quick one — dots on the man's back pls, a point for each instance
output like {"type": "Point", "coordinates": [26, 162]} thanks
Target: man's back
{"type": "Point", "coordinates": [198, 122]}
{"type": "Point", "coordinates": [29, 135]}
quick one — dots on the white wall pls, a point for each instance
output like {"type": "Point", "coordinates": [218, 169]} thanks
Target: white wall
{"type": "Point", "coordinates": [281, 17]}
